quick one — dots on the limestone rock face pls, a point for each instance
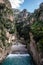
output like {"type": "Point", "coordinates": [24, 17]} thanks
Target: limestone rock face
{"type": "Point", "coordinates": [1, 1]}
{"type": "Point", "coordinates": [6, 22]}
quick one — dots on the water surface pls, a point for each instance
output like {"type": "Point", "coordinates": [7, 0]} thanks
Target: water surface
{"type": "Point", "coordinates": [18, 59]}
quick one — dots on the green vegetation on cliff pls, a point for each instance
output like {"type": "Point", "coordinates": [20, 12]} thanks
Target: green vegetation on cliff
{"type": "Point", "coordinates": [6, 26]}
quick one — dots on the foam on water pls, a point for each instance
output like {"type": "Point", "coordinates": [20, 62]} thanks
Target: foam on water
{"type": "Point", "coordinates": [16, 55]}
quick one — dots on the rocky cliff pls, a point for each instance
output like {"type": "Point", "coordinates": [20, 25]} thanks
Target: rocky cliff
{"type": "Point", "coordinates": [6, 24]}
{"type": "Point", "coordinates": [37, 34]}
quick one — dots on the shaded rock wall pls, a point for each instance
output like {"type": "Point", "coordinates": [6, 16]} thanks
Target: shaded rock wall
{"type": "Point", "coordinates": [34, 51]}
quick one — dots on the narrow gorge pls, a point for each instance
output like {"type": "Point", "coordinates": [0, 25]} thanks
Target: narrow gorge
{"type": "Point", "coordinates": [21, 35]}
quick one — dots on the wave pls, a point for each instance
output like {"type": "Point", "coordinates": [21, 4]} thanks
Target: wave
{"type": "Point", "coordinates": [16, 55]}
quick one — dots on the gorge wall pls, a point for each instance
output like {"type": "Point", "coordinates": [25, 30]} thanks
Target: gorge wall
{"type": "Point", "coordinates": [34, 51]}
{"type": "Point", "coordinates": [6, 24]}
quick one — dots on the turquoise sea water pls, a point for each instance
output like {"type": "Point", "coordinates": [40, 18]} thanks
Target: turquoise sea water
{"type": "Point", "coordinates": [18, 60]}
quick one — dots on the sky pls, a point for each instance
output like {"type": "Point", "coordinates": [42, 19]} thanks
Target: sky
{"type": "Point", "coordinates": [30, 5]}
